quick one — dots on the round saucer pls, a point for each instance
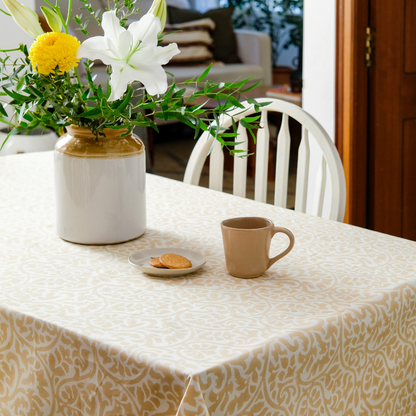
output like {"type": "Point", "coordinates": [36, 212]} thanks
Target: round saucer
{"type": "Point", "coordinates": [141, 261]}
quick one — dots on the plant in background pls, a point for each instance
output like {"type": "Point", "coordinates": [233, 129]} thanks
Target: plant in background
{"type": "Point", "coordinates": [270, 16]}
{"type": "Point", "coordinates": [290, 14]}
{"type": "Point", "coordinates": [43, 86]}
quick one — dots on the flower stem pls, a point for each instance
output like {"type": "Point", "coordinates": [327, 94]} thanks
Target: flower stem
{"type": "Point", "coordinates": [77, 75]}
{"type": "Point", "coordinates": [69, 12]}
{"type": "Point", "coordinates": [10, 50]}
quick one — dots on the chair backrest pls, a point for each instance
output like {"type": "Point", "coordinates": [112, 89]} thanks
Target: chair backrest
{"type": "Point", "coordinates": [330, 161]}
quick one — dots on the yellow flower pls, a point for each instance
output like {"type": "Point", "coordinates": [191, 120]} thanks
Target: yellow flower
{"type": "Point", "coordinates": [54, 49]}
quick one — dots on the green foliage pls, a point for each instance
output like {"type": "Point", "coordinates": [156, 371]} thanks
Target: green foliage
{"type": "Point", "coordinates": [58, 100]}
{"type": "Point", "coordinates": [124, 8]}
{"type": "Point", "coordinates": [261, 16]}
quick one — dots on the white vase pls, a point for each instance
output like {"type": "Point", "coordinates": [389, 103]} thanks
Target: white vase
{"type": "Point", "coordinates": [37, 140]}
{"type": "Point", "coordinates": [100, 186]}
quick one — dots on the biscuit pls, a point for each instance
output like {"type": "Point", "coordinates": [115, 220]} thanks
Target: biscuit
{"type": "Point", "coordinates": [155, 262]}
{"type": "Point", "coordinates": [175, 261]}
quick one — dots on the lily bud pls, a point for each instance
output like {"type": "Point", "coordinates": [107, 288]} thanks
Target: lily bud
{"type": "Point", "coordinates": [52, 18]}
{"type": "Point", "coordinates": [158, 9]}
{"type": "Point", "coordinates": [24, 17]}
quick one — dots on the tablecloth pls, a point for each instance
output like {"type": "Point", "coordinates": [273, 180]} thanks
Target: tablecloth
{"type": "Point", "coordinates": [330, 329]}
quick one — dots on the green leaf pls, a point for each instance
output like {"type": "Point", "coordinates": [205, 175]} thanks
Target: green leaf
{"type": "Point", "coordinates": [92, 113]}
{"type": "Point", "coordinates": [126, 100]}
{"type": "Point", "coordinates": [252, 87]}
{"type": "Point", "coordinates": [204, 74]}
{"type": "Point", "coordinates": [100, 93]}
{"type": "Point", "coordinates": [13, 131]}
{"type": "Point", "coordinates": [251, 119]}
{"type": "Point", "coordinates": [5, 121]}
{"type": "Point", "coordinates": [189, 81]}
{"type": "Point", "coordinates": [245, 124]}
{"type": "Point", "coordinates": [148, 106]}
{"type": "Point", "coordinates": [232, 143]}
{"type": "Point", "coordinates": [228, 134]}
{"type": "Point", "coordinates": [34, 91]}
{"type": "Point", "coordinates": [16, 96]}
{"type": "Point", "coordinates": [256, 103]}
{"type": "Point", "coordinates": [253, 136]}
{"type": "Point", "coordinates": [2, 110]}
{"type": "Point", "coordinates": [234, 101]}
{"type": "Point", "coordinates": [179, 93]}
{"type": "Point", "coordinates": [234, 125]}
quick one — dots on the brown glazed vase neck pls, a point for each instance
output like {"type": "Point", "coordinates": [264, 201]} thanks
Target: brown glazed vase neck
{"type": "Point", "coordinates": [81, 142]}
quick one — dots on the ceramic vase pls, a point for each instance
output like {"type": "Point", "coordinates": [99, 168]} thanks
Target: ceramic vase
{"type": "Point", "coordinates": [100, 186]}
{"type": "Point", "coordinates": [37, 140]}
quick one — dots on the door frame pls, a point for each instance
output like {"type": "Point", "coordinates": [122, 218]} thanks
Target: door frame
{"type": "Point", "coordinates": [351, 104]}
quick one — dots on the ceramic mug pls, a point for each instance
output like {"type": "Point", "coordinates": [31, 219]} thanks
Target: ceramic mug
{"type": "Point", "coordinates": [247, 244]}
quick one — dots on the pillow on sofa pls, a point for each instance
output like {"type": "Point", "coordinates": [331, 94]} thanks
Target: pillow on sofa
{"type": "Point", "coordinates": [225, 44]}
{"type": "Point", "coordinates": [193, 39]}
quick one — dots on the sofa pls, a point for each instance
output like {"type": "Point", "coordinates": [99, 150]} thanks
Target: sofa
{"type": "Point", "coordinates": [253, 49]}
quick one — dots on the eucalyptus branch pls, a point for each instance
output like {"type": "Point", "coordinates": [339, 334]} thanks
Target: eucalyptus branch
{"type": "Point", "coordinates": [58, 97]}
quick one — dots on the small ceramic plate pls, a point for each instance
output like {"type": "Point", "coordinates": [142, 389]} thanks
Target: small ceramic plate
{"type": "Point", "coordinates": [141, 261]}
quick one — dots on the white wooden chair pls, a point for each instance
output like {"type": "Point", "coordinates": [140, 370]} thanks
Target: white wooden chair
{"type": "Point", "coordinates": [330, 161]}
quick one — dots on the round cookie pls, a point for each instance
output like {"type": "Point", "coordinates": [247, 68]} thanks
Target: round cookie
{"type": "Point", "coordinates": [155, 262]}
{"type": "Point", "coordinates": [175, 261]}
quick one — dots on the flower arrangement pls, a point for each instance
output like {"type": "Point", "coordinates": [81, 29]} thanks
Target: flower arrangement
{"type": "Point", "coordinates": [43, 87]}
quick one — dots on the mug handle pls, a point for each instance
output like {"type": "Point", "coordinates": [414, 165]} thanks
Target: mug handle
{"type": "Point", "coordinates": [290, 246]}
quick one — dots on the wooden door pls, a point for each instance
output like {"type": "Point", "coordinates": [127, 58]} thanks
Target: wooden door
{"type": "Point", "coordinates": [376, 113]}
{"type": "Point", "coordinates": [392, 117]}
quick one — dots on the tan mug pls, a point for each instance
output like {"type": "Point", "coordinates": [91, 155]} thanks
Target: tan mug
{"type": "Point", "coordinates": [247, 244]}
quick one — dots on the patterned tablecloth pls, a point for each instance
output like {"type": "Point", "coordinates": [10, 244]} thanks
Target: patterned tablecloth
{"type": "Point", "coordinates": [329, 330]}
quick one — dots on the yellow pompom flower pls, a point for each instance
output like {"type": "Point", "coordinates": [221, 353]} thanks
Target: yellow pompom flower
{"type": "Point", "coordinates": [54, 49]}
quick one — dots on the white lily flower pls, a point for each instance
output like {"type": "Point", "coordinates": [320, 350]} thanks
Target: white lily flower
{"type": "Point", "coordinates": [52, 18]}
{"type": "Point", "coordinates": [133, 53]}
{"type": "Point", "coordinates": [158, 9]}
{"type": "Point", "coordinates": [24, 17]}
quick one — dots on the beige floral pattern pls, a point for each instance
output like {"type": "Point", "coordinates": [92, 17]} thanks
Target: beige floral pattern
{"type": "Point", "coordinates": [330, 329]}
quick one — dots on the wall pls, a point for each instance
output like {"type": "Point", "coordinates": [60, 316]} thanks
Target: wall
{"type": "Point", "coordinates": [11, 34]}
{"type": "Point", "coordinates": [319, 62]}
{"type": "Point", "coordinates": [318, 95]}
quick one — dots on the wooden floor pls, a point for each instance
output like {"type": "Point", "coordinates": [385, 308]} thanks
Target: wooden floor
{"type": "Point", "coordinates": [172, 148]}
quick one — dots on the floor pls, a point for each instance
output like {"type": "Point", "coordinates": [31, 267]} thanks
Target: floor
{"type": "Point", "coordinates": [172, 148]}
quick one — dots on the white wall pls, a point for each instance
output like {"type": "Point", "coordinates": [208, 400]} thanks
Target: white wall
{"type": "Point", "coordinates": [318, 94]}
{"type": "Point", "coordinates": [11, 34]}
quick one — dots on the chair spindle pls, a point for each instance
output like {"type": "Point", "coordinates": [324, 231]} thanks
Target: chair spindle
{"type": "Point", "coordinates": [302, 174]}
{"type": "Point", "coordinates": [282, 163]}
{"type": "Point", "coordinates": [262, 159]}
{"type": "Point", "coordinates": [216, 167]}
{"type": "Point", "coordinates": [318, 200]}
{"type": "Point", "coordinates": [240, 164]}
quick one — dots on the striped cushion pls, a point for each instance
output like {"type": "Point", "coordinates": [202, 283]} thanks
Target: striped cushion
{"type": "Point", "coordinates": [194, 41]}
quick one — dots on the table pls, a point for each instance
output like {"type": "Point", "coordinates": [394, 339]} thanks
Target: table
{"type": "Point", "coordinates": [329, 330]}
